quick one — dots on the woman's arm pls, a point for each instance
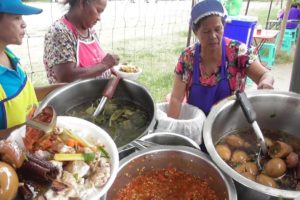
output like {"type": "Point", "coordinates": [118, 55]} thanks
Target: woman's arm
{"type": "Point", "coordinates": [68, 72]}
{"type": "Point", "coordinates": [177, 96]}
{"type": "Point", "coordinates": [260, 75]}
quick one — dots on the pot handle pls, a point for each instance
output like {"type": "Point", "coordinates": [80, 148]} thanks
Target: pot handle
{"type": "Point", "coordinates": [154, 127]}
{"type": "Point", "coordinates": [246, 106]}
{"type": "Point", "coordinates": [111, 87]}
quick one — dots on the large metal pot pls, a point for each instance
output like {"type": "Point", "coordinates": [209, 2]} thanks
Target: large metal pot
{"type": "Point", "coordinates": [275, 110]}
{"type": "Point", "coordinates": [166, 138]}
{"type": "Point", "coordinates": [79, 92]}
{"type": "Point", "coordinates": [161, 138]}
{"type": "Point", "coordinates": [185, 159]}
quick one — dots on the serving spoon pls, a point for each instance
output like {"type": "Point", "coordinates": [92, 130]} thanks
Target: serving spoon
{"type": "Point", "coordinates": [108, 92]}
{"type": "Point", "coordinates": [250, 115]}
{"type": "Point", "coordinates": [46, 127]}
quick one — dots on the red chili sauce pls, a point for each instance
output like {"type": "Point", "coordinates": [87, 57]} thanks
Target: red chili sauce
{"type": "Point", "coordinates": [167, 184]}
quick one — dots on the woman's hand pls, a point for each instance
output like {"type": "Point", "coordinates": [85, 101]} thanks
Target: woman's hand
{"type": "Point", "coordinates": [266, 81]}
{"type": "Point", "coordinates": [260, 75]}
{"type": "Point", "coordinates": [265, 86]}
{"type": "Point", "coordinates": [110, 60]}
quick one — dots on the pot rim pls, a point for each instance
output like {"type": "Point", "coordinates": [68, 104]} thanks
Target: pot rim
{"type": "Point", "coordinates": [232, 193]}
{"type": "Point", "coordinates": [223, 165]}
{"type": "Point", "coordinates": [158, 134]}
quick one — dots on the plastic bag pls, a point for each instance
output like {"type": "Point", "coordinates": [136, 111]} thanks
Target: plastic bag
{"type": "Point", "coordinates": [189, 123]}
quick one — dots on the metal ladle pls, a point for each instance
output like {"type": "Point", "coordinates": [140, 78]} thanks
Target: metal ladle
{"type": "Point", "coordinates": [43, 126]}
{"type": "Point", "coordinates": [250, 115]}
{"type": "Point", "coordinates": [107, 93]}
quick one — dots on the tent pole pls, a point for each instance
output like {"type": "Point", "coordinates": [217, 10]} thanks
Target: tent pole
{"type": "Point", "coordinates": [248, 2]}
{"type": "Point", "coordinates": [188, 42]}
{"type": "Point", "coordinates": [269, 14]}
{"type": "Point", "coordinates": [295, 77]}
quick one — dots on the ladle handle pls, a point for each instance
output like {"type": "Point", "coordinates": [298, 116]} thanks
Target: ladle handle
{"type": "Point", "coordinates": [246, 106]}
{"type": "Point", "coordinates": [111, 86]}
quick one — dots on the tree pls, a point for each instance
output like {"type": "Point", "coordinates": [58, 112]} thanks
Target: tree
{"type": "Point", "coordinates": [283, 24]}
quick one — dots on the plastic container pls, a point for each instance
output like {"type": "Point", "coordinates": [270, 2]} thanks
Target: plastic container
{"type": "Point", "coordinates": [240, 28]}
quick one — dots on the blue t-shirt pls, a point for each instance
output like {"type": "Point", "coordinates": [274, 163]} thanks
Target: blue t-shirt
{"type": "Point", "coordinates": [11, 81]}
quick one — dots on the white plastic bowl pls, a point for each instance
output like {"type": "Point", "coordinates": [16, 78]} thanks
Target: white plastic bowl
{"type": "Point", "coordinates": [91, 133]}
{"type": "Point", "coordinates": [128, 75]}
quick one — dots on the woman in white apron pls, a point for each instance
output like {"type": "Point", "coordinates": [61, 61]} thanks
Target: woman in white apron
{"type": "Point", "coordinates": [72, 50]}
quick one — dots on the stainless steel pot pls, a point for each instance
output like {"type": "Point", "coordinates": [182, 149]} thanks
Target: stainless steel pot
{"type": "Point", "coordinates": [275, 110]}
{"type": "Point", "coordinates": [79, 92]}
{"type": "Point", "coordinates": [185, 159]}
{"type": "Point", "coordinates": [161, 138]}
{"type": "Point", "coordinates": [166, 138]}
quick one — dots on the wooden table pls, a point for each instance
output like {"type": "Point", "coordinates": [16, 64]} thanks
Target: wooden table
{"type": "Point", "coordinates": [263, 37]}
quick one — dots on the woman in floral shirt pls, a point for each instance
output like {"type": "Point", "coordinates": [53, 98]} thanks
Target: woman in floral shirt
{"type": "Point", "coordinates": [215, 67]}
{"type": "Point", "coordinates": [72, 50]}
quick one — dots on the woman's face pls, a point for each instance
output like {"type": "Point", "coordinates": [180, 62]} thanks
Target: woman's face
{"type": "Point", "coordinates": [12, 29]}
{"type": "Point", "coordinates": [210, 32]}
{"type": "Point", "coordinates": [92, 12]}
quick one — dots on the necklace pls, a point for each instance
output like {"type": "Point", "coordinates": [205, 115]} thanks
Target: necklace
{"type": "Point", "coordinates": [80, 35]}
{"type": "Point", "coordinates": [83, 36]}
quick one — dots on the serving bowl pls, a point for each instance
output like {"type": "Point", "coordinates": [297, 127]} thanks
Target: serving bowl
{"type": "Point", "coordinates": [276, 110]}
{"type": "Point", "coordinates": [91, 133]}
{"type": "Point", "coordinates": [132, 72]}
{"type": "Point", "coordinates": [186, 159]}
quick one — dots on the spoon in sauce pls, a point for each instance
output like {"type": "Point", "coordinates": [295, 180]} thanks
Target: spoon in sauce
{"type": "Point", "coordinates": [250, 115]}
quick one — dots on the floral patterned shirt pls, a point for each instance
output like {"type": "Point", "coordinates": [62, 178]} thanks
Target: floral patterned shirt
{"type": "Point", "coordinates": [238, 57]}
{"type": "Point", "coordinates": [60, 46]}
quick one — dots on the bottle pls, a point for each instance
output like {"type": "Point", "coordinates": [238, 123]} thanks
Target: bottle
{"type": "Point", "coordinates": [258, 29]}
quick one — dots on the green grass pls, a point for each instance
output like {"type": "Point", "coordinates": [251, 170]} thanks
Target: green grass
{"type": "Point", "coordinates": [262, 14]}
{"type": "Point", "coordinates": [283, 57]}
{"type": "Point", "coordinates": [158, 62]}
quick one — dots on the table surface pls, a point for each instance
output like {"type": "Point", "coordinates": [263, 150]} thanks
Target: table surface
{"type": "Point", "coordinates": [265, 34]}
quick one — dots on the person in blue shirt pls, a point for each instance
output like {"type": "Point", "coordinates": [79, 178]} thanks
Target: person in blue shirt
{"type": "Point", "coordinates": [17, 94]}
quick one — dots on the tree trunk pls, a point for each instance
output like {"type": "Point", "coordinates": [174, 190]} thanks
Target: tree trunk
{"type": "Point", "coordinates": [283, 25]}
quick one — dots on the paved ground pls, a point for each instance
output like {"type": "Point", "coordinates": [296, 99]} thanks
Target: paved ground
{"type": "Point", "coordinates": [282, 75]}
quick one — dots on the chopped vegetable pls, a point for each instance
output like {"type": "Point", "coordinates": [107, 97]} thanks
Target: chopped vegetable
{"type": "Point", "coordinates": [73, 140]}
{"type": "Point", "coordinates": [129, 69]}
{"type": "Point", "coordinates": [74, 156]}
{"type": "Point", "coordinates": [104, 153]}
